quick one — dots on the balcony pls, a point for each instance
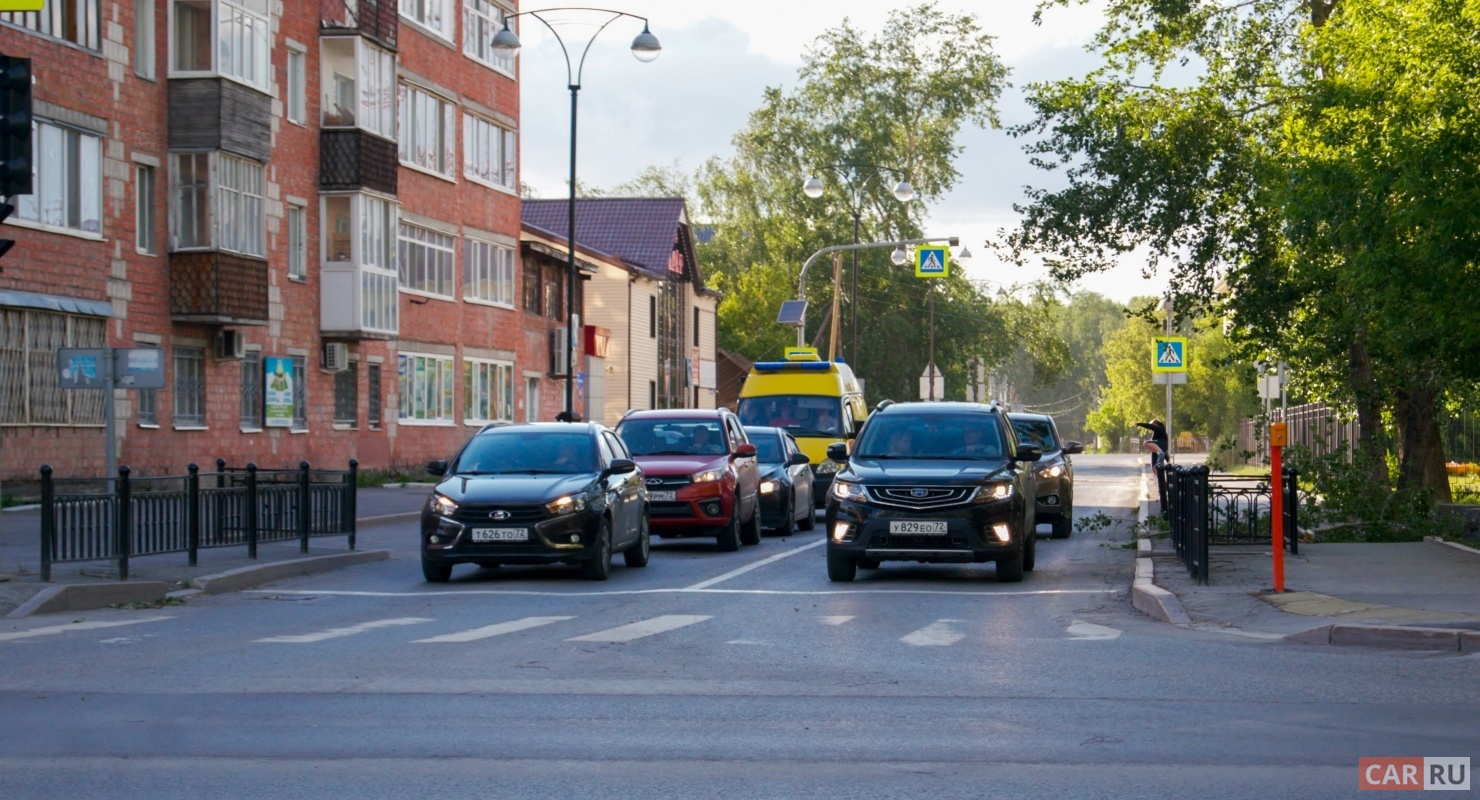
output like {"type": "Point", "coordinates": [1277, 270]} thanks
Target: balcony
{"type": "Point", "coordinates": [217, 288]}
{"type": "Point", "coordinates": [376, 19]}
{"type": "Point", "coordinates": [352, 159]}
{"type": "Point", "coordinates": [220, 114]}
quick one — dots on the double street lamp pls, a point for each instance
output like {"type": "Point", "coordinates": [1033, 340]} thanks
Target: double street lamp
{"type": "Point", "coordinates": [645, 48]}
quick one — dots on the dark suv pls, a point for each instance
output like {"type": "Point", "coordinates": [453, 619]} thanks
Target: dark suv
{"type": "Point", "coordinates": [1055, 470]}
{"type": "Point", "coordinates": [933, 482]}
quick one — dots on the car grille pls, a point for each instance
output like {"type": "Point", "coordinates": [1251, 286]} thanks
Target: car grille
{"type": "Point", "coordinates": [483, 513]}
{"type": "Point", "coordinates": [921, 497]}
{"type": "Point", "coordinates": [666, 484]}
{"type": "Point", "coordinates": [656, 510]}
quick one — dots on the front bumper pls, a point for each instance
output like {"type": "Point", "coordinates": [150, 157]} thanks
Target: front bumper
{"type": "Point", "coordinates": [1053, 497]}
{"type": "Point", "coordinates": [695, 506]}
{"type": "Point", "coordinates": [566, 539]}
{"type": "Point", "coordinates": [773, 506]}
{"type": "Point", "coordinates": [969, 537]}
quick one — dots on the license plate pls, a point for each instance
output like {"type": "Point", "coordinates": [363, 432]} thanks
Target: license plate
{"type": "Point", "coordinates": [662, 497]}
{"type": "Point", "coordinates": [500, 535]}
{"type": "Point", "coordinates": [933, 527]}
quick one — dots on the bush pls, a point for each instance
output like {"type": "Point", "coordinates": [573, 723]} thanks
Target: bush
{"type": "Point", "coordinates": [1340, 502]}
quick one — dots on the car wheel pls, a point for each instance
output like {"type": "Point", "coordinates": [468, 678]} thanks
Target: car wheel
{"type": "Point", "coordinates": [1063, 525]}
{"type": "Point", "coordinates": [868, 563]}
{"type": "Point", "coordinates": [729, 535]}
{"type": "Point", "coordinates": [1010, 569]}
{"type": "Point", "coordinates": [434, 571]}
{"type": "Point", "coordinates": [809, 522]}
{"type": "Point", "coordinates": [788, 524]}
{"type": "Point", "coordinates": [1030, 552]}
{"type": "Point", "coordinates": [637, 554]}
{"type": "Point", "coordinates": [841, 567]}
{"type": "Point", "coordinates": [751, 533]}
{"type": "Point", "coordinates": [599, 565]}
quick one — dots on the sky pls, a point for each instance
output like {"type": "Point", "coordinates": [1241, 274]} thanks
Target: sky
{"type": "Point", "coordinates": [718, 58]}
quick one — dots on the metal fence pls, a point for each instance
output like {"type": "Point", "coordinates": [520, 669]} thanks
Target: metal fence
{"type": "Point", "coordinates": [1322, 429]}
{"type": "Point", "coordinates": [1205, 509]}
{"type": "Point", "coordinates": [85, 519]}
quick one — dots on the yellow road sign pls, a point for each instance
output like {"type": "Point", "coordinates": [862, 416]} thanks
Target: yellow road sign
{"type": "Point", "coordinates": [1170, 354]}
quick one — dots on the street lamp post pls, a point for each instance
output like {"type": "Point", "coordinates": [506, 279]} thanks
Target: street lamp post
{"type": "Point", "coordinates": [645, 48]}
{"type": "Point", "coordinates": [900, 258]}
{"type": "Point", "coordinates": [852, 174]}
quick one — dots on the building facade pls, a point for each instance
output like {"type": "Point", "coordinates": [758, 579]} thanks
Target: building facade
{"type": "Point", "coordinates": [311, 207]}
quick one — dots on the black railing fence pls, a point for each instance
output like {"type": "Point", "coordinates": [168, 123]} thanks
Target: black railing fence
{"type": "Point", "coordinates": [85, 519]}
{"type": "Point", "coordinates": [1205, 509]}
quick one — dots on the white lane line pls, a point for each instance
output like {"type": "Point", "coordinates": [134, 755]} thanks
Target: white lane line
{"type": "Point", "coordinates": [834, 620]}
{"type": "Point", "coordinates": [1087, 631]}
{"type": "Point", "coordinates": [937, 634]}
{"type": "Point", "coordinates": [780, 592]}
{"type": "Point", "coordinates": [757, 565]}
{"type": "Point", "coordinates": [335, 633]}
{"type": "Point", "coordinates": [647, 627]}
{"type": "Point", "coordinates": [51, 630]}
{"type": "Point", "coordinates": [487, 631]}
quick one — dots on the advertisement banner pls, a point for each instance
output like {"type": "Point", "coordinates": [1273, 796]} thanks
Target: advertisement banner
{"type": "Point", "coordinates": [278, 393]}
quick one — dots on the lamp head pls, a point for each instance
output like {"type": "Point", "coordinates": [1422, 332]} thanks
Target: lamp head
{"type": "Point", "coordinates": [964, 255]}
{"type": "Point", "coordinates": [813, 187]}
{"type": "Point", "coordinates": [505, 43]}
{"type": "Point", "coordinates": [645, 47]}
{"type": "Point", "coordinates": [899, 257]}
{"type": "Point", "coordinates": [904, 192]}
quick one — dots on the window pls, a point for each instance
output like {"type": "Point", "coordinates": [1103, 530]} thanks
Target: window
{"type": "Point", "coordinates": [359, 255]}
{"type": "Point", "coordinates": [424, 384]}
{"type": "Point", "coordinates": [426, 130]}
{"type": "Point", "coordinates": [68, 183]}
{"type": "Point", "coordinates": [359, 85]}
{"type": "Point", "coordinates": [191, 35]}
{"type": "Point", "coordinates": [531, 399]}
{"type": "Point", "coordinates": [237, 44]}
{"type": "Point", "coordinates": [300, 393]}
{"type": "Point", "coordinates": [146, 408]}
{"type": "Point", "coordinates": [251, 389]}
{"type": "Point", "coordinates": [652, 317]}
{"type": "Point", "coordinates": [191, 218]}
{"type": "Point", "coordinates": [652, 394]}
{"type": "Point", "coordinates": [372, 381]}
{"type": "Point", "coordinates": [297, 86]}
{"type": "Point", "coordinates": [243, 210]}
{"type": "Point", "coordinates": [239, 192]}
{"type": "Point", "coordinates": [532, 272]}
{"type": "Point", "coordinates": [426, 260]}
{"type": "Point", "coordinates": [144, 38]}
{"type": "Point", "coordinates": [190, 387]}
{"type": "Point", "coordinates": [481, 22]}
{"type": "Point", "coordinates": [488, 391]}
{"type": "Point", "coordinates": [696, 326]}
{"type": "Point", "coordinates": [434, 15]}
{"type": "Point", "coordinates": [29, 394]}
{"type": "Point", "coordinates": [552, 293]}
{"type": "Point", "coordinates": [144, 209]}
{"type": "Point", "coordinates": [489, 153]}
{"type": "Point", "coordinates": [297, 242]}
{"type": "Point", "coordinates": [75, 21]}
{"type": "Point", "coordinates": [347, 397]}
{"type": "Point", "coordinates": [488, 272]}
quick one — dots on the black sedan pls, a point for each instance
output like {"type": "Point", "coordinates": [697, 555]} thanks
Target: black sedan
{"type": "Point", "coordinates": [786, 481]}
{"type": "Point", "coordinates": [1055, 469]}
{"type": "Point", "coordinates": [536, 494]}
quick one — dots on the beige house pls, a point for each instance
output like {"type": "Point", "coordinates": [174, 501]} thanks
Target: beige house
{"type": "Point", "coordinates": [649, 319]}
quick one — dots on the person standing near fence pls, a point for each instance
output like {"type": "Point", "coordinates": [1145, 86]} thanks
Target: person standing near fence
{"type": "Point", "coordinates": [1160, 447]}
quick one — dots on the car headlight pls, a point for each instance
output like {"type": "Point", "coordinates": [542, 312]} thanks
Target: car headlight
{"type": "Point", "coordinates": [443, 506]}
{"type": "Point", "coordinates": [568, 504]}
{"type": "Point", "coordinates": [992, 493]}
{"type": "Point", "coordinates": [1052, 472]}
{"type": "Point", "coordinates": [844, 490]}
{"type": "Point", "coordinates": [827, 467]}
{"type": "Point", "coordinates": [769, 486]}
{"type": "Point", "coordinates": [708, 475]}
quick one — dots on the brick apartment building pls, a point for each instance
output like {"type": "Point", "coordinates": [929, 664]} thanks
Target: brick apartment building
{"type": "Point", "coordinates": [326, 187]}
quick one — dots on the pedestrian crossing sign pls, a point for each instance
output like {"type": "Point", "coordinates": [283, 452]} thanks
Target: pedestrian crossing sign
{"type": "Point", "coordinates": [932, 262]}
{"type": "Point", "coordinates": [1170, 354]}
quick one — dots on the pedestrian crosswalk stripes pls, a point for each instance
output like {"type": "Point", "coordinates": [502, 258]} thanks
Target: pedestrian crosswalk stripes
{"type": "Point", "coordinates": [834, 620]}
{"type": "Point", "coordinates": [639, 630]}
{"type": "Point", "coordinates": [937, 634]}
{"type": "Point", "coordinates": [488, 631]}
{"type": "Point", "coordinates": [336, 633]}
{"type": "Point", "coordinates": [52, 630]}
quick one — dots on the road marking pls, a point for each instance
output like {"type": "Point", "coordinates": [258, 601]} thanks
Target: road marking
{"type": "Point", "coordinates": [638, 630]}
{"type": "Point", "coordinates": [1079, 629]}
{"type": "Point", "coordinates": [75, 626]}
{"type": "Point", "coordinates": [757, 565]}
{"type": "Point", "coordinates": [986, 592]}
{"type": "Point", "coordinates": [746, 641]}
{"type": "Point", "coordinates": [335, 633]}
{"type": "Point", "coordinates": [834, 620]}
{"type": "Point", "coordinates": [492, 630]}
{"type": "Point", "coordinates": [937, 634]}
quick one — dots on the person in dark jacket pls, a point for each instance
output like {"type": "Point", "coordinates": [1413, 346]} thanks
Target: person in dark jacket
{"type": "Point", "coordinates": [1159, 447]}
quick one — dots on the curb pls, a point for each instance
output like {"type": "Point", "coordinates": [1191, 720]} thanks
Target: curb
{"type": "Point", "coordinates": [406, 516]}
{"type": "Point", "coordinates": [1154, 601]}
{"type": "Point", "coordinates": [258, 574]}
{"type": "Point", "coordinates": [89, 596]}
{"type": "Point", "coordinates": [1396, 637]}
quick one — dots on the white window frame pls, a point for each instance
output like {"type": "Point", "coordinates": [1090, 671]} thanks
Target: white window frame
{"type": "Point", "coordinates": [145, 53]}
{"type": "Point", "coordinates": [297, 242]}
{"type": "Point", "coordinates": [422, 13]}
{"type": "Point", "coordinates": [146, 209]}
{"type": "Point", "coordinates": [424, 118]}
{"type": "Point", "coordinates": [488, 391]}
{"type": "Point", "coordinates": [236, 214]}
{"type": "Point", "coordinates": [296, 108]}
{"type": "Point", "coordinates": [58, 184]}
{"type": "Point", "coordinates": [416, 405]}
{"type": "Point", "coordinates": [417, 243]}
{"type": "Point", "coordinates": [373, 78]}
{"type": "Point", "coordinates": [480, 25]}
{"type": "Point", "coordinates": [52, 20]}
{"type": "Point", "coordinates": [373, 222]}
{"type": "Point", "coordinates": [253, 65]}
{"type": "Point", "coordinates": [490, 154]}
{"type": "Point", "coordinates": [489, 275]}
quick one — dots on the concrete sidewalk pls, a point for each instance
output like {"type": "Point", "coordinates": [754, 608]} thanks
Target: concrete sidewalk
{"type": "Point", "coordinates": [383, 517]}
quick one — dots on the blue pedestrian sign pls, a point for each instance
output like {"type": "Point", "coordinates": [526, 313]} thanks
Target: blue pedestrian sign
{"type": "Point", "coordinates": [932, 262]}
{"type": "Point", "coordinates": [1170, 354]}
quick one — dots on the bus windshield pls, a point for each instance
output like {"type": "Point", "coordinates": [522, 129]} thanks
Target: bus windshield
{"type": "Point", "coordinates": [798, 414]}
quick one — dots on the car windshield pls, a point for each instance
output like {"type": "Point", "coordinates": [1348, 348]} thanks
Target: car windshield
{"type": "Point", "coordinates": [768, 448]}
{"type": "Point", "coordinates": [511, 451]}
{"type": "Point", "coordinates": [673, 437]}
{"type": "Point", "coordinates": [798, 414]}
{"type": "Point", "coordinates": [931, 436]}
{"type": "Point", "coordinates": [1036, 432]}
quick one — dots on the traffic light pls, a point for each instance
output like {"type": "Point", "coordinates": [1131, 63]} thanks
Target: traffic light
{"type": "Point", "coordinates": [15, 126]}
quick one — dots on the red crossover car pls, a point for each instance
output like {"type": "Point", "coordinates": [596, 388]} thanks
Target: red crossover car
{"type": "Point", "coordinates": [703, 478]}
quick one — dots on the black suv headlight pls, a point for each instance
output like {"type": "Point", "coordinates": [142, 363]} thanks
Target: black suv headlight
{"type": "Point", "coordinates": [1051, 472]}
{"type": "Point", "coordinates": [442, 505]}
{"type": "Point", "coordinates": [844, 490]}
{"type": "Point", "coordinates": [992, 492]}
{"type": "Point", "coordinates": [569, 504]}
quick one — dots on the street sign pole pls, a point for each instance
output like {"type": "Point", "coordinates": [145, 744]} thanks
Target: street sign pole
{"type": "Point", "coordinates": [110, 458]}
{"type": "Point", "coordinates": [1170, 447]}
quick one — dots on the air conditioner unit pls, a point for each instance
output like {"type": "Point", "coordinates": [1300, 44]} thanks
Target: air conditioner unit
{"type": "Point", "coordinates": [336, 356]}
{"type": "Point", "coordinates": [230, 345]}
{"type": "Point", "coordinates": [559, 346]}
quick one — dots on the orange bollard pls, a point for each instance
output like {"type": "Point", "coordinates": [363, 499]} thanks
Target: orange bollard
{"type": "Point", "coordinates": [1277, 436]}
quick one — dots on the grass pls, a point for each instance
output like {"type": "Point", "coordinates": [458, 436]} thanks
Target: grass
{"type": "Point", "coordinates": [376, 478]}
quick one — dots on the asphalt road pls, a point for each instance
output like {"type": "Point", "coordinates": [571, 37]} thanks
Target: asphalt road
{"type": "Point", "coordinates": [708, 675]}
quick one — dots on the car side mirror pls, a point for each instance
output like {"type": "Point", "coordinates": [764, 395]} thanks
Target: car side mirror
{"type": "Point", "coordinates": [798, 460]}
{"type": "Point", "coordinates": [837, 451]}
{"type": "Point", "coordinates": [622, 466]}
{"type": "Point", "coordinates": [1073, 448]}
{"type": "Point", "coordinates": [438, 467]}
{"type": "Point", "coordinates": [746, 450]}
{"type": "Point", "coordinates": [1029, 452]}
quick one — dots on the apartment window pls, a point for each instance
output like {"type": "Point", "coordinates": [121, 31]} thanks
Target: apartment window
{"type": "Point", "coordinates": [488, 272]}
{"type": "Point", "coordinates": [531, 399]}
{"type": "Point", "coordinates": [297, 242]}
{"type": "Point", "coordinates": [532, 272]}
{"type": "Point", "coordinates": [489, 153]}
{"type": "Point", "coordinates": [251, 389]}
{"type": "Point", "coordinates": [652, 316]}
{"type": "Point", "coordinates": [29, 391]}
{"type": "Point", "coordinates": [434, 15]}
{"type": "Point", "coordinates": [424, 384]}
{"type": "Point", "coordinates": [359, 85]}
{"type": "Point", "coordinates": [243, 207]}
{"type": "Point", "coordinates": [426, 130]}
{"type": "Point", "coordinates": [75, 21]}
{"type": "Point", "coordinates": [359, 242]}
{"type": "Point", "coordinates": [300, 393]}
{"type": "Point", "coordinates": [190, 387]}
{"type": "Point", "coordinates": [68, 185]}
{"type": "Point", "coordinates": [146, 403]}
{"type": "Point", "coordinates": [231, 38]}
{"type": "Point", "coordinates": [297, 86]}
{"type": "Point", "coordinates": [552, 293]}
{"type": "Point", "coordinates": [144, 209]}
{"type": "Point", "coordinates": [483, 20]}
{"type": "Point", "coordinates": [488, 391]}
{"type": "Point", "coordinates": [426, 260]}
{"type": "Point", "coordinates": [191, 208]}
{"type": "Point", "coordinates": [240, 224]}
{"type": "Point", "coordinates": [696, 326]}
{"type": "Point", "coordinates": [347, 397]}
{"type": "Point", "coordinates": [372, 385]}
{"type": "Point", "coordinates": [144, 38]}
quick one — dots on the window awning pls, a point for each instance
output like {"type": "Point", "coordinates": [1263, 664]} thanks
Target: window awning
{"type": "Point", "coordinates": [52, 302]}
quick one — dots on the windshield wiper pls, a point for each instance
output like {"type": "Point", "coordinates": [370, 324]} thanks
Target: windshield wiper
{"type": "Point", "coordinates": [881, 456]}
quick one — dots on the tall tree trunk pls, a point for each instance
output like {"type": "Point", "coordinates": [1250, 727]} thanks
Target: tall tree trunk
{"type": "Point", "coordinates": [1372, 438]}
{"type": "Point", "coordinates": [1422, 464]}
